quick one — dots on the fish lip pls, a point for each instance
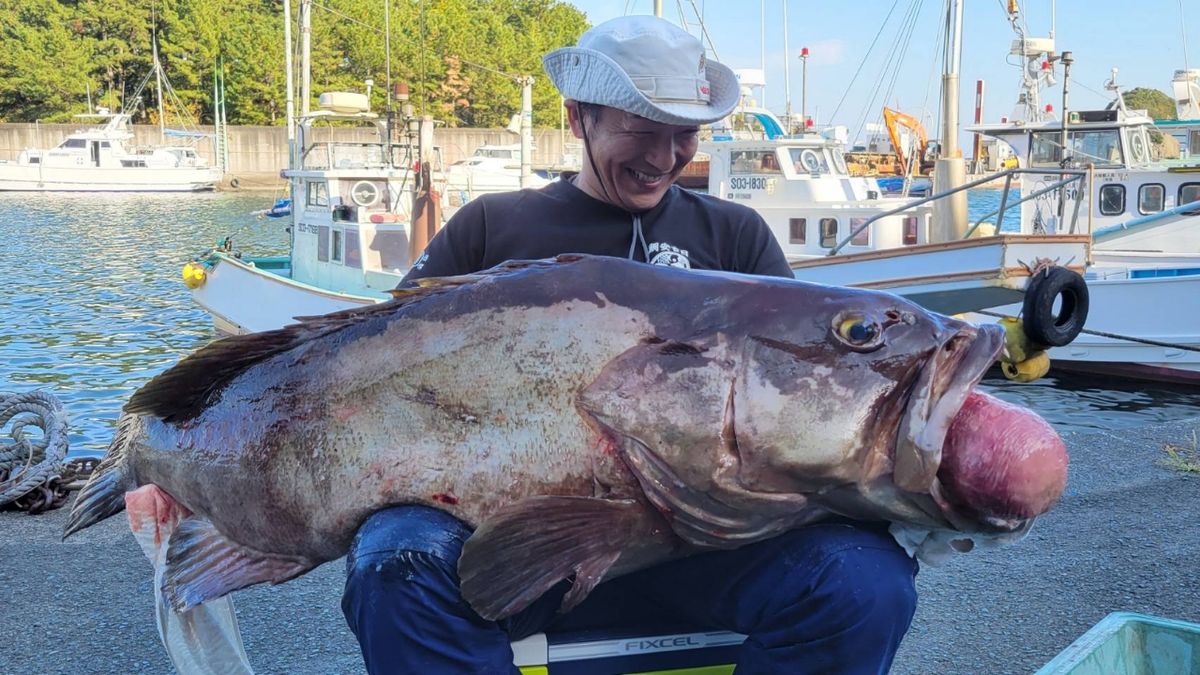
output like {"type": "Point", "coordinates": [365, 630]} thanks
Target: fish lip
{"type": "Point", "coordinates": [939, 392]}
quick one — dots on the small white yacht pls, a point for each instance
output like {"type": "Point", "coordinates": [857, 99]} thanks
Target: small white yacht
{"type": "Point", "coordinates": [100, 159]}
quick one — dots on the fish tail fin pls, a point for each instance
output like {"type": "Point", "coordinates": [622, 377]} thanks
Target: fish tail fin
{"type": "Point", "coordinates": [104, 493]}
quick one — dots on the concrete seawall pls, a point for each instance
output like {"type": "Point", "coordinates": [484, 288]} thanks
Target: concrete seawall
{"type": "Point", "coordinates": [258, 154]}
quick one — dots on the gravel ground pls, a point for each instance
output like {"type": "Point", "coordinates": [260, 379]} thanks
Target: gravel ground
{"type": "Point", "coordinates": [1125, 537]}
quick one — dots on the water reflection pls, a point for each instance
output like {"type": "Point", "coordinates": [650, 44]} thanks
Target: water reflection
{"type": "Point", "coordinates": [1076, 402]}
{"type": "Point", "coordinates": [92, 307]}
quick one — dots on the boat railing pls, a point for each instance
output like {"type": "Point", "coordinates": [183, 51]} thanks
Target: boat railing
{"type": "Point", "coordinates": [351, 155]}
{"type": "Point", "coordinates": [1069, 176]}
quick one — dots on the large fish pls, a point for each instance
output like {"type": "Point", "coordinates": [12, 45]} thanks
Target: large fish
{"type": "Point", "coordinates": [589, 416]}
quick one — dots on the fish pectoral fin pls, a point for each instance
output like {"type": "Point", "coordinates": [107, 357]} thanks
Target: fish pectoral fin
{"type": "Point", "coordinates": [523, 550]}
{"type": "Point", "coordinates": [202, 564]}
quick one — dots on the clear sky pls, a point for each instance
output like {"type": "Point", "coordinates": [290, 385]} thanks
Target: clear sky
{"type": "Point", "coordinates": [1143, 39]}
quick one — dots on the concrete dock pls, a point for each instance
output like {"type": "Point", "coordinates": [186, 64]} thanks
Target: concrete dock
{"type": "Point", "coordinates": [1125, 537]}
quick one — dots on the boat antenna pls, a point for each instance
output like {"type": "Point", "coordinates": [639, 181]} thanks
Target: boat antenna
{"type": "Point", "coordinates": [1186, 68]}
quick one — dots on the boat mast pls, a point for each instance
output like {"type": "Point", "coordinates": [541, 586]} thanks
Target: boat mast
{"type": "Point", "coordinates": [950, 214]}
{"type": "Point", "coordinates": [162, 125]}
{"type": "Point", "coordinates": [787, 76]}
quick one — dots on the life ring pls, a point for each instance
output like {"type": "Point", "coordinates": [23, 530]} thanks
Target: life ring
{"type": "Point", "coordinates": [234, 183]}
{"type": "Point", "coordinates": [1042, 325]}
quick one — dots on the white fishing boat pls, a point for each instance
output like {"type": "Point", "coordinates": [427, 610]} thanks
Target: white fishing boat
{"type": "Point", "coordinates": [1144, 215]}
{"type": "Point", "coordinates": [352, 230]}
{"type": "Point", "coordinates": [101, 159]}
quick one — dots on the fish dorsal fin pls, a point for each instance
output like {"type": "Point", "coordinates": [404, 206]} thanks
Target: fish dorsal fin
{"type": "Point", "coordinates": [203, 564]}
{"type": "Point", "coordinates": [525, 549]}
{"type": "Point", "coordinates": [182, 392]}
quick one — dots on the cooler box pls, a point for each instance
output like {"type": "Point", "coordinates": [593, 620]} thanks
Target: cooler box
{"type": "Point", "coordinates": [1124, 643]}
{"type": "Point", "coordinates": [611, 652]}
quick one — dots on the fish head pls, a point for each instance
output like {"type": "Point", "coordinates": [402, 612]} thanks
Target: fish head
{"type": "Point", "coordinates": [860, 388]}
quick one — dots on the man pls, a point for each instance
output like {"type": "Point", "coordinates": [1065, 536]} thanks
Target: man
{"type": "Point", "coordinates": [830, 597]}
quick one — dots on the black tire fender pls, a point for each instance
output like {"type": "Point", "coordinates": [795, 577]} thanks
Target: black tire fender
{"type": "Point", "coordinates": [234, 183]}
{"type": "Point", "coordinates": [1042, 325]}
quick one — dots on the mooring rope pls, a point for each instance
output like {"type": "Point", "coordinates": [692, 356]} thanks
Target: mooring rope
{"type": "Point", "coordinates": [1118, 336]}
{"type": "Point", "coordinates": [30, 464]}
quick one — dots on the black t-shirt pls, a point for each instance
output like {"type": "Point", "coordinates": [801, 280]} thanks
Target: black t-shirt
{"type": "Point", "coordinates": [685, 229]}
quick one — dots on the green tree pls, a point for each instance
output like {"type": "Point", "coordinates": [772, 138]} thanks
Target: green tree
{"type": "Point", "coordinates": [44, 66]}
{"type": "Point", "coordinates": [1159, 105]}
{"type": "Point", "coordinates": [459, 57]}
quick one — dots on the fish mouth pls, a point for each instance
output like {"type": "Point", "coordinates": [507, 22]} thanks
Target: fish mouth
{"type": "Point", "coordinates": [939, 392]}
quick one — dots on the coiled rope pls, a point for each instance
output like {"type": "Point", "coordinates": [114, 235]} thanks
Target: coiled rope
{"type": "Point", "coordinates": [31, 467]}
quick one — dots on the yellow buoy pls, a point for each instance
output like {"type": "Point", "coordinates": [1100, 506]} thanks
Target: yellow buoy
{"type": "Point", "coordinates": [194, 275]}
{"type": "Point", "coordinates": [1024, 362]}
{"type": "Point", "coordinates": [1032, 368]}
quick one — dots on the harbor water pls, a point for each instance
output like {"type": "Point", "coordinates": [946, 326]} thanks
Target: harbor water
{"type": "Point", "coordinates": [92, 306]}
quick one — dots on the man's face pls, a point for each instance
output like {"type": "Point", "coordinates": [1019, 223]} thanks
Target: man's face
{"type": "Point", "coordinates": [636, 160]}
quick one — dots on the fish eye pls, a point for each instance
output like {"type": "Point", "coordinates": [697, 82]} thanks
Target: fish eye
{"type": "Point", "coordinates": [858, 332]}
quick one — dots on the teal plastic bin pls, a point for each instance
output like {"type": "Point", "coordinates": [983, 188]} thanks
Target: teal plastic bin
{"type": "Point", "coordinates": [1124, 643]}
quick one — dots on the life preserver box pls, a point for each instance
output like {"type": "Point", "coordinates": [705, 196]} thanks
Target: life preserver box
{"type": "Point", "coordinates": [1043, 324]}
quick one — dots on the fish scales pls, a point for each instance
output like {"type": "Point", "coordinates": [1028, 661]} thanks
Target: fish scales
{"type": "Point", "coordinates": [590, 416]}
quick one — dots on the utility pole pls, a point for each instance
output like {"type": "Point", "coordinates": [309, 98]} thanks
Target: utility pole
{"type": "Point", "coordinates": [291, 85]}
{"type": "Point", "coordinates": [526, 83]}
{"type": "Point", "coordinates": [305, 56]}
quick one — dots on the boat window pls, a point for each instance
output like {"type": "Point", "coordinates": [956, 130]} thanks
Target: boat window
{"type": "Point", "coordinates": [1101, 147]}
{"type": "Point", "coordinates": [862, 238]}
{"type": "Point", "coordinates": [323, 243]}
{"type": "Point", "coordinates": [1188, 193]}
{"type": "Point", "coordinates": [133, 162]}
{"type": "Point", "coordinates": [829, 230]}
{"type": "Point", "coordinates": [1150, 198]}
{"type": "Point", "coordinates": [335, 245]}
{"type": "Point", "coordinates": [73, 143]}
{"type": "Point", "coordinates": [797, 229]}
{"type": "Point", "coordinates": [104, 144]}
{"type": "Point", "coordinates": [1194, 143]}
{"type": "Point", "coordinates": [753, 161]}
{"type": "Point", "coordinates": [1112, 200]}
{"type": "Point", "coordinates": [809, 160]}
{"type": "Point", "coordinates": [318, 194]}
{"type": "Point", "coordinates": [353, 250]}
{"type": "Point", "coordinates": [910, 230]}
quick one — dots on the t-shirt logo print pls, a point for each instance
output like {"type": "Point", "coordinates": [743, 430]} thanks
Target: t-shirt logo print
{"type": "Point", "coordinates": [671, 256]}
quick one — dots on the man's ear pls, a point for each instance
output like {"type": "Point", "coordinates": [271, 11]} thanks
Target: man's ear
{"type": "Point", "coordinates": [573, 113]}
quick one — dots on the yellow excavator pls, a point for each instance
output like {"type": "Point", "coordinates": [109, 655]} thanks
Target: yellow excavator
{"type": "Point", "coordinates": [909, 141]}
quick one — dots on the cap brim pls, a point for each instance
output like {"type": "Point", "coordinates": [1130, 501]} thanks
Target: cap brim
{"type": "Point", "coordinates": [591, 77]}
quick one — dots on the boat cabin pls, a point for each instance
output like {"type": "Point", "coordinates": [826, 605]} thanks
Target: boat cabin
{"type": "Point", "coordinates": [352, 200]}
{"type": "Point", "coordinates": [1128, 181]}
{"type": "Point", "coordinates": [802, 188]}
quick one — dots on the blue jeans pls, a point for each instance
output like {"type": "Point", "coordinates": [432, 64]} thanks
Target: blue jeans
{"type": "Point", "coordinates": [833, 597]}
